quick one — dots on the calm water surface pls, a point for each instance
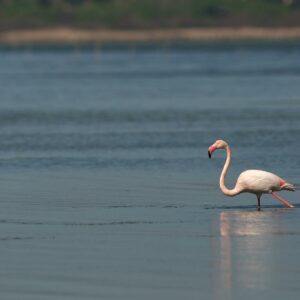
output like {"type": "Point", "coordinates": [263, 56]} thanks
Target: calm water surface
{"type": "Point", "coordinates": [106, 188]}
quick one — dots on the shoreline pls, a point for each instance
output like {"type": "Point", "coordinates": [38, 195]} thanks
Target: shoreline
{"type": "Point", "coordinates": [66, 35]}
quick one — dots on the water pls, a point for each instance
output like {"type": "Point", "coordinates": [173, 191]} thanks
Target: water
{"type": "Point", "coordinates": [106, 188]}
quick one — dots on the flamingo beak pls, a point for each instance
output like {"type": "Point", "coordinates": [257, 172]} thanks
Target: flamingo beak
{"type": "Point", "coordinates": [211, 149]}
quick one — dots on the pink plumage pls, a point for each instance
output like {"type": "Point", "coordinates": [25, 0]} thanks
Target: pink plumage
{"type": "Point", "coordinates": [257, 182]}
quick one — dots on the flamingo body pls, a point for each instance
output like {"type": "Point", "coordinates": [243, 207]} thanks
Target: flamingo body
{"type": "Point", "coordinates": [257, 182]}
{"type": "Point", "coordinates": [261, 182]}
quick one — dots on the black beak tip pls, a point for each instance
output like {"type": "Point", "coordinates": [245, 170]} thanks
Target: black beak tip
{"type": "Point", "coordinates": [209, 155]}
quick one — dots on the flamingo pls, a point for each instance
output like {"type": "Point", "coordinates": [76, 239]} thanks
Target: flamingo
{"type": "Point", "coordinates": [257, 182]}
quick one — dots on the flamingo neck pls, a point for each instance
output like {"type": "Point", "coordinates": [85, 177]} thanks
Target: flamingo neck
{"type": "Point", "coordinates": [224, 189]}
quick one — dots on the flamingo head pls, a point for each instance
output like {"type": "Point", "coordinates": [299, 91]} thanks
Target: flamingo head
{"type": "Point", "coordinates": [219, 144]}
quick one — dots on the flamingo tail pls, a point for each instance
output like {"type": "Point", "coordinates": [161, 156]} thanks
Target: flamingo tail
{"type": "Point", "coordinates": [289, 187]}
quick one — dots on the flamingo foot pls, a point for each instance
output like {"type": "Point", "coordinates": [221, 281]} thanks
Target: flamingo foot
{"type": "Point", "coordinates": [282, 200]}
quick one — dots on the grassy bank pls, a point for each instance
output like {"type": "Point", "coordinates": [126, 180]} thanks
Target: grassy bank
{"type": "Point", "coordinates": [145, 14]}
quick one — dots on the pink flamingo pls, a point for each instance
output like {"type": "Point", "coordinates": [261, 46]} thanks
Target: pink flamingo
{"type": "Point", "coordinates": [251, 181]}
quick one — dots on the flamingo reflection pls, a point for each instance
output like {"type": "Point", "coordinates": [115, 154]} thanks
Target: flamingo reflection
{"type": "Point", "coordinates": [241, 233]}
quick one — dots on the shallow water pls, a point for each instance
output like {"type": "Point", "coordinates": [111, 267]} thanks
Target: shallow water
{"type": "Point", "coordinates": [107, 191]}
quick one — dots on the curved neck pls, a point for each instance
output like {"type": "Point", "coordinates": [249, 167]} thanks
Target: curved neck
{"type": "Point", "coordinates": [223, 188]}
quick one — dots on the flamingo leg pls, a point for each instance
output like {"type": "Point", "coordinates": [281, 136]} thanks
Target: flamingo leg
{"type": "Point", "coordinates": [282, 200]}
{"type": "Point", "coordinates": [258, 202]}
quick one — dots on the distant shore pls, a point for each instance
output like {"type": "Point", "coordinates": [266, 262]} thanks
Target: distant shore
{"type": "Point", "coordinates": [83, 36]}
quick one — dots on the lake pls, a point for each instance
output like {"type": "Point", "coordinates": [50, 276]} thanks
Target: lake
{"type": "Point", "coordinates": [106, 188]}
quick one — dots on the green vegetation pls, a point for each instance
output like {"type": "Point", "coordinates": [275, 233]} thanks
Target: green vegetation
{"type": "Point", "coordinates": [147, 13]}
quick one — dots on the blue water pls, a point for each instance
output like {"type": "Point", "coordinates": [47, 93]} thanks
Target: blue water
{"type": "Point", "coordinates": [106, 188]}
